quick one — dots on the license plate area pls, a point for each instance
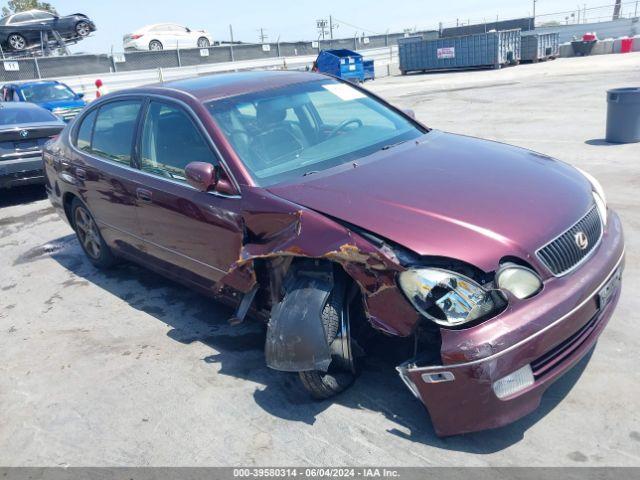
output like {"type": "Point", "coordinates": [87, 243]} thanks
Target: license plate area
{"type": "Point", "coordinates": [26, 145]}
{"type": "Point", "coordinates": [612, 285]}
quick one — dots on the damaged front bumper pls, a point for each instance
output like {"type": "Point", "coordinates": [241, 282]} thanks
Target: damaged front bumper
{"type": "Point", "coordinates": [538, 340]}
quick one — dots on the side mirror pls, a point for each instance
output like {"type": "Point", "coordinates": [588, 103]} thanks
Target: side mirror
{"type": "Point", "coordinates": [409, 112]}
{"type": "Point", "coordinates": [80, 95]}
{"type": "Point", "coordinates": [224, 186]}
{"type": "Point", "coordinates": [200, 175]}
{"type": "Point", "coordinates": [205, 177]}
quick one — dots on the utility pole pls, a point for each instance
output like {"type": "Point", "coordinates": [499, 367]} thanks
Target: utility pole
{"type": "Point", "coordinates": [330, 27]}
{"type": "Point", "coordinates": [616, 9]}
{"type": "Point", "coordinates": [262, 36]}
{"type": "Point", "coordinates": [231, 42]}
{"type": "Point", "coordinates": [321, 25]}
{"type": "Point", "coordinates": [534, 15]}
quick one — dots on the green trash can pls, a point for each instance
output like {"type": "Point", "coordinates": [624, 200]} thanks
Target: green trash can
{"type": "Point", "coordinates": [623, 115]}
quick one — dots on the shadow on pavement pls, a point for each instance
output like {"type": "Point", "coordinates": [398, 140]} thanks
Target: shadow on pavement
{"type": "Point", "coordinates": [600, 142]}
{"type": "Point", "coordinates": [239, 352]}
{"type": "Point", "coordinates": [21, 195]}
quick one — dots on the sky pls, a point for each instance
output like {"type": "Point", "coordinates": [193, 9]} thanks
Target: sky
{"type": "Point", "coordinates": [291, 20]}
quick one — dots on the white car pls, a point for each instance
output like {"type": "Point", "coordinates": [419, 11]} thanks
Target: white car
{"type": "Point", "coordinates": [166, 36]}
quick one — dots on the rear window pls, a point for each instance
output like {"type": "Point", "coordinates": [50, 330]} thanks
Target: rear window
{"type": "Point", "coordinates": [83, 140]}
{"type": "Point", "coordinates": [114, 129]}
{"type": "Point", "coordinates": [12, 116]}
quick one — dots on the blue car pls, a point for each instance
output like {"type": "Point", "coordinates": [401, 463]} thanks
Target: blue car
{"type": "Point", "coordinates": [55, 96]}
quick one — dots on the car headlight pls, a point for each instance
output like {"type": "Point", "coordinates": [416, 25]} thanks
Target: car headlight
{"type": "Point", "coordinates": [521, 281]}
{"type": "Point", "coordinates": [598, 194]}
{"type": "Point", "coordinates": [446, 297]}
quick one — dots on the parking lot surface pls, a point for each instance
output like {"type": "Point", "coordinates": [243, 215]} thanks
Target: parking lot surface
{"type": "Point", "coordinates": [124, 367]}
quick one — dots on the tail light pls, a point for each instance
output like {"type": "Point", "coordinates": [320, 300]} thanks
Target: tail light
{"type": "Point", "coordinates": [136, 36]}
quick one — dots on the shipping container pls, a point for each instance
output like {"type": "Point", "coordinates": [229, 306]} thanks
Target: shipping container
{"type": "Point", "coordinates": [485, 50]}
{"type": "Point", "coordinates": [539, 46]}
{"type": "Point", "coordinates": [343, 63]}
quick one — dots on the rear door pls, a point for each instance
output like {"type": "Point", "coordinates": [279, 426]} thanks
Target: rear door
{"type": "Point", "coordinates": [194, 234]}
{"type": "Point", "coordinates": [102, 169]}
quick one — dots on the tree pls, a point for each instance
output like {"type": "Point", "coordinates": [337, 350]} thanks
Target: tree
{"type": "Point", "coordinates": [15, 6]}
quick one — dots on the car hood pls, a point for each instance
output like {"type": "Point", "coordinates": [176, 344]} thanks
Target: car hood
{"type": "Point", "coordinates": [452, 196]}
{"type": "Point", "coordinates": [63, 104]}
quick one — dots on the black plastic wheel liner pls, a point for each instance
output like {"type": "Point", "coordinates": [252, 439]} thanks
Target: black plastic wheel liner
{"type": "Point", "coordinates": [296, 339]}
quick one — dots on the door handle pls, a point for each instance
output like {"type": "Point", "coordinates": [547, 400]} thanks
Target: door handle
{"type": "Point", "coordinates": [143, 195]}
{"type": "Point", "coordinates": [81, 174]}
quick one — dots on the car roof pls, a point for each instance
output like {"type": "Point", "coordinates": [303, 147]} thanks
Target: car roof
{"type": "Point", "coordinates": [20, 106]}
{"type": "Point", "coordinates": [37, 82]}
{"type": "Point", "coordinates": [223, 85]}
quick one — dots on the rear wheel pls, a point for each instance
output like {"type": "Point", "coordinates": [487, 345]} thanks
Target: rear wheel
{"type": "Point", "coordinates": [155, 45]}
{"type": "Point", "coordinates": [342, 372]}
{"type": "Point", "coordinates": [83, 29]}
{"type": "Point", "coordinates": [89, 236]}
{"type": "Point", "coordinates": [17, 41]}
{"type": "Point", "coordinates": [203, 42]}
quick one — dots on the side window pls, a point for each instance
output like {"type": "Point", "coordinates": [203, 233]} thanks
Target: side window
{"type": "Point", "coordinates": [114, 130]}
{"type": "Point", "coordinates": [83, 139]}
{"type": "Point", "coordinates": [15, 97]}
{"type": "Point", "coordinates": [42, 16]}
{"type": "Point", "coordinates": [21, 17]}
{"type": "Point", "coordinates": [170, 140]}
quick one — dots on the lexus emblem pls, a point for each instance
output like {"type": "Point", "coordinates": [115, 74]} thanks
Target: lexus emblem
{"type": "Point", "coordinates": [581, 240]}
{"type": "Point", "coordinates": [24, 133]}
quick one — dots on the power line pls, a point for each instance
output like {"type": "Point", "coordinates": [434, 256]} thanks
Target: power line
{"type": "Point", "coordinates": [357, 27]}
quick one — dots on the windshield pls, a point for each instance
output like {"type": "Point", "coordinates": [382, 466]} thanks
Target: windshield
{"type": "Point", "coordinates": [47, 93]}
{"type": "Point", "coordinates": [282, 134]}
{"type": "Point", "coordinates": [12, 116]}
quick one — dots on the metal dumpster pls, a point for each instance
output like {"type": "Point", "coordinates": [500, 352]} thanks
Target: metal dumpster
{"type": "Point", "coordinates": [343, 63]}
{"type": "Point", "coordinates": [623, 115]}
{"type": "Point", "coordinates": [369, 70]}
{"type": "Point", "coordinates": [484, 50]}
{"type": "Point", "coordinates": [539, 46]}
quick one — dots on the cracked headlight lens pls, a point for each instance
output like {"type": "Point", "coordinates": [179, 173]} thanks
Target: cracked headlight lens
{"type": "Point", "coordinates": [446, 297]}
{"type": "Point", "coordinates": [522, 282]}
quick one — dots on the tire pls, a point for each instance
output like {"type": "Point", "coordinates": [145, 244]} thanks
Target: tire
{"type": "Point", "coordinates": [155, 46]}
{"type": "Point", "coordinates": [17, 42]}
{"type": "Point", "coordinates": [203, 42]}
{"type": "Point", "coordinates": [323, 385]}
{"type": "Point", "coordinates": [83, 29]}
{"type": "Point", "coordinates": [89, 236]}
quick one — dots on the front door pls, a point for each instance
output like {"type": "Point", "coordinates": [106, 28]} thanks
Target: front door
{"type": "Point", "coordinates": [194, 234]}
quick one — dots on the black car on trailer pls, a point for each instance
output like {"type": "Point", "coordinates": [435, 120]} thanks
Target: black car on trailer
{"type": "Point", "coordinates": [24, 29]}
{"type": "Point", "coordinates": [24, 129]}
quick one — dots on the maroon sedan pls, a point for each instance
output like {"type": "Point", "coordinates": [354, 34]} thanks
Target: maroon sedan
{"type": "Point", "coordinates": [334, 216]}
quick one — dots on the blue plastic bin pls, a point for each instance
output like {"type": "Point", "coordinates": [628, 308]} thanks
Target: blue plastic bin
{"type": "Point", "coordinates": [345, 64]}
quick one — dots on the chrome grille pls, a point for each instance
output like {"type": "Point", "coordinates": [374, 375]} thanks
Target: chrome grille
{"type": "Point", "coordinates": [564, 253]}
{"type": "Point", "coordinates": [67, 114]}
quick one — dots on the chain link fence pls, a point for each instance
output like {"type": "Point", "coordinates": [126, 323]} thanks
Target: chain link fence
{"type": "Point", "coordinates": [19, 69]}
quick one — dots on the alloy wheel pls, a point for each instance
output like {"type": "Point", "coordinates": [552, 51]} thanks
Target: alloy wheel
{"type": "Point", "coordinates": [82, 29]}
{"type": "Point", "coordinates": [17, 42]}
{"type": "Point", "coordinates": [155, 45]}
{"type": "Point", "coordinates": [203, 43]}
{"type": "Point", "coordinates": [87, 232]}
